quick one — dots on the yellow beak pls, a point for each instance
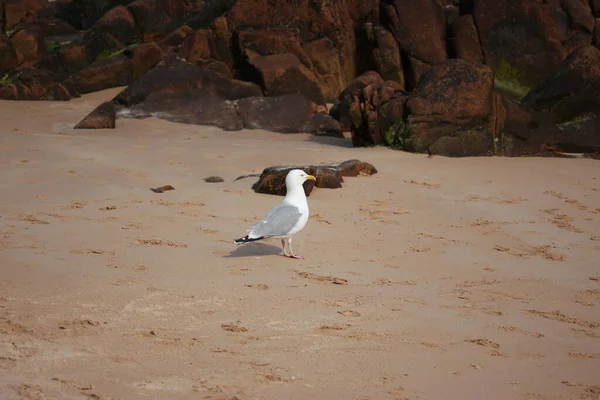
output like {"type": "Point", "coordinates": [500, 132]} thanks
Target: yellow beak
{"type": "Point", "coordinates": [311, 178]}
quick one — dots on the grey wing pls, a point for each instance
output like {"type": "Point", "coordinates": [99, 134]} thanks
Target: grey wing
{"type": "Point", "coordinates": [278, 222]}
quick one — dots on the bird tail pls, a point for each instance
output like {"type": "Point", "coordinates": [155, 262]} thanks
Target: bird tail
{"type": "Point", "coordinates": [246, 239]}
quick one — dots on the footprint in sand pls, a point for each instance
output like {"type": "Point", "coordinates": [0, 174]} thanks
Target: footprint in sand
{"type": "Point", "coordinates": [561, 221]}
{"type": "Point", "coordinates": [424, 184]}
{"type": "Point", "coordinates": [558, 316]}
{"type": "Point", "coordinates": [92, 251]}
{"type": "Point", "coordinates": [159, 242]}
{"type": "Point", "coordinates": [32, 218]}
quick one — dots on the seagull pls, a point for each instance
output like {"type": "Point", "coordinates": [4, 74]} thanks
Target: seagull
{"type": "Point", "coordinates": [286, 219]}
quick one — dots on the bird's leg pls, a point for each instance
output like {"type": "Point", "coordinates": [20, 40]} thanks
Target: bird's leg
{"type": "Point", "coordinates": [283, 242]}
{"type": "Point", "coordinates": [292, 255]}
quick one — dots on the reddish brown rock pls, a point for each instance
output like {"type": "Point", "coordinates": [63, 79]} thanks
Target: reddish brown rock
{"type": "Point", "coordinates": [348, 96]}
{"type": "Point", "coordinates": [209, 11]}
{"type": "Point", "coordinates": [29, 46]}
{"type": "Point", "coordinates": [329, 176]}
{"type": "Point", "coordinates": [111, 72]}
{"type": "Point", "coordinates": [221, 42]}
{"type": "Point", "coordinates": [450, 110]}
{"type": "Point", "coordinates": [40, 84]}
{"type": "Point", "coordinates": [175, 38]}
{"type": "Point", "coordinates": [596, 37]}
{"type": "Point", "coordinates": [154, 17]}
{"type": "Point", "coordinates": [9, 92]}
{"type": "Point", "coordinates": [326, 64]}
{"type": "Point", "coordinates": [48, 26]}
{"type": "Point", "coordinates": [284, 74]}
{"type": "Point", "coordinates": [272, 180]}
{"type": "Point", "coordinates": [195, 49]}
{"type": "Point", "coordinates": [73, 56]}
{"type": "Point", "coordinates": [192, 106]}
{"type": "Point", "coordinates": [572, 90]}
{"type": "Point", "coordinates": [533, 133]}
{"type": "Point", "coordinates": [363, 11]}
{"type": "Point", "coordinates": [99, 46]}
{"type": "Point", "coordinates": [284, 114]}
{"type": "Point", "coordinates": [119, 23]}
{"type": "Point", "coordinates": [8, 55]}
{"type": "Point", "coordinates": [364, 112]}
{"type": "Point", "coordinates": [144, 57]}
{"type": "Point", "coordinates": [356, 168]}
{"type": "Point", "coordinates": [466, 40]}
{"type": "Point", "coordinates": [17, 11]}
{"type": "Point", "coordinates": [523, 40]}
{"type": "Point", "coordinates": [309, 21]}
{"type": "Point", "coordinates": [413, 73]}
{"type": "Point", "coordinates": [580, 15]}
{"type": "Point", "coordinates": [323, 125]}
{"type": "Point", "coordinates": [386, 56]}
{"type": "Point", "coordinates": [174, 74]}
{"type": "Point", "coordinates": [103, 117]}
{"type": "Point", "coordinates": [82, 14]}
{"type": "Point", "coordinates": [391, 117]}
{"type": "Point", "coordinates": [205, 46]}
{"type": "Point", "coordinates": [420, 28]}
{"type": "Point", "coordinates": [271, 41]}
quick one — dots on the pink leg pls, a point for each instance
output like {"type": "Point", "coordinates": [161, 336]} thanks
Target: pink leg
{"type": "Point", "coordinates": [292, 255]}
{"type": "Point", "coordinates": [285, 253]}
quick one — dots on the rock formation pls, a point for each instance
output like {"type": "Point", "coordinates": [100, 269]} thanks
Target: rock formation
{"type": "Point", "coordinates": [450, 77]}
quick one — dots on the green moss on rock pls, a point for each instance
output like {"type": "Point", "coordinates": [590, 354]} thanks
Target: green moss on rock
{"type": "Point", "coordinates": [399, 136]}
{"type": "Point", "coordinates": [511, 80]}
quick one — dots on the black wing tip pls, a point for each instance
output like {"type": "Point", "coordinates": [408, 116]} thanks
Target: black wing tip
{"type": "Point", "coordinates": [246, 239]}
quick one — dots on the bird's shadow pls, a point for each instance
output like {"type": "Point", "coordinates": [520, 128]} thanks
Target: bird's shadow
{"type": "Point", "coordinates": [254, 250]}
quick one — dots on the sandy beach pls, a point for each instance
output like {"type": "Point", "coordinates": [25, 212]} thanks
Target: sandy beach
{"type": "Point", "coordinates": [436, 278]}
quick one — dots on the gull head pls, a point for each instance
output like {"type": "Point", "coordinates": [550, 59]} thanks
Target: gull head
{"type": "Point", "coordinates": [297, 177]}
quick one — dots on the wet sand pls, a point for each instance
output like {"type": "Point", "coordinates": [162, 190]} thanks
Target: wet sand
{"type": "Point", "coordinates": [436, 278]}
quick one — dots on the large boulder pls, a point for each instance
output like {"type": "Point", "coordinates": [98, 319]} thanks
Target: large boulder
{"type": "Point", "coordinates": [170, 42]}
{"type": "Point", "coordinates": [420, 29]}
{"type": "Point", "coordinates": [155, 18]}
{"type": "Point", "coordinates": [111, 72]}
{"type": "Point", "coordinates": [523, 40]}
{"type": "Point", "coordinates": [209, 47]}
{"type": "Point", "coordinates": [17, 11]}
{"type": "Point", "coordinates": [364, 112]}
{"type": "Point", "coordinates": [29, 46]}
{"type": "Point", "coordinates": [8, 55]}
{"type": "Point", "coordinates": [465, 39]}
{"type": "Point", "coordinates": [119, 23]}
{"type": "Point", "coordinates": [527, 132]}
{"type": "Point", "coordinates": [144, 57]}
{"type": "Point", "coordinates": [386, 56]}
{"type": "Point", "coordinates": [573, 89]}
{"type": "Point", "coordinates": [341, 111]}
{"type": "Point", "coordinates": [323, 125]}
{"type": "Point", "coordinates": [451, 109]}
{"type": "Point", "coordinates": [82, 14]}
{"type": "Point", "coordinates": [425, 43]}
{"type": "Point", "coordinates": [38, 84]}
{"type": "Point", "coordinates": [284, 114]}
{"type": "Point", "coordinates": [308, 21]}
{"type": "Point", "coordinates": [192, 106]}
{"type": "Point", "coordinates": [391, 118]}
{"type": "Point", "coordinates": [74, 56]}
{"type": "Point", "coordinates": [103, 117]}
{"type": "Point", "coordinates": [174, 74]}
{"type": "Point", "coordinates": [326, 65]}
{"type": "Point", "coordinates": [282, 74]}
